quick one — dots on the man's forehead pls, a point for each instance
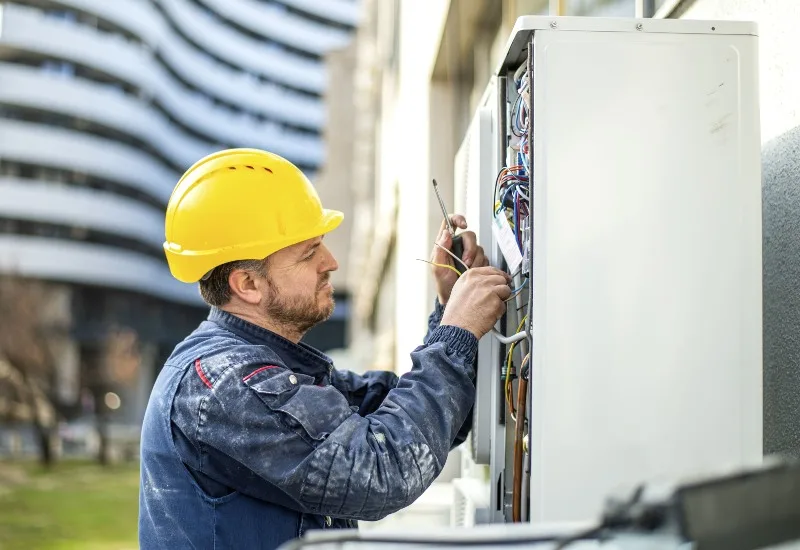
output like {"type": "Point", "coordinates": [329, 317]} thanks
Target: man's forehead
{"type": "Point", "coordinates": [309, 243]}
{"type": "Point", "coordinates": [298, 249]}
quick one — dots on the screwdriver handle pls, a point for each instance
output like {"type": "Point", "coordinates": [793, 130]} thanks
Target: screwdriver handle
{"type": "Point", "coordinates": [458, 250]}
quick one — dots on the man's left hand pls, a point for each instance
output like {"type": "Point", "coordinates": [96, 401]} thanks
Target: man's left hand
{"type": "Point", "coordinates": [473, 257]}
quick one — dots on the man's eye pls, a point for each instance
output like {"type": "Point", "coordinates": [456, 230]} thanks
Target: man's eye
{"type": "Point", "coordinates": [310, 255]}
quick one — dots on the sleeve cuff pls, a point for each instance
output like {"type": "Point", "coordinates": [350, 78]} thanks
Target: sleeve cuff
{"type": "Point", "coordinates": [459, 341]}
{"type": "Point", "coordinates": [438, 311]}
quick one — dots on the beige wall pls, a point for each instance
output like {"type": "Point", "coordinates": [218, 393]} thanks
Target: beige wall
{"type": "Point", "coordinates": [333, 182]}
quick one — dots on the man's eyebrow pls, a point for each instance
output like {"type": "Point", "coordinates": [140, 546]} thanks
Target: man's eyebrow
{"type": "Point", "coordinates": [312, 246]}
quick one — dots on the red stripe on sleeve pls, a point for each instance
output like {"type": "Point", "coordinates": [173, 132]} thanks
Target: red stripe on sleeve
{"type": "Point", "coordinates": [202, 375]}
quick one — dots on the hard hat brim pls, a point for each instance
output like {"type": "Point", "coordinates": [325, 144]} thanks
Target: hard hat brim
{"type": "Point", "coordinates": [193, 265]}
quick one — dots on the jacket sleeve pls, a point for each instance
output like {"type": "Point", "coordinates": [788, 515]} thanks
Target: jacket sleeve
{"type": "Point", "coordinates": [321, 457]}
{"type": "Point", "coordinates": [365, 391]}
{"type": "Point", "coordinates": [434, 320]}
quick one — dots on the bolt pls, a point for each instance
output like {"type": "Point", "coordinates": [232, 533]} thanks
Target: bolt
{"type": "Point", "coordinates": [553, 24]}
{"type": "Point", "coordinates": [639, 26]}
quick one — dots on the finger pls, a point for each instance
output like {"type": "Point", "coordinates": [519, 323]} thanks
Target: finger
{"type": "Point", "coordinates": [495, 280]}
{"type": "Point", "coordinates": [503, 291]}
{"type": "Point", "coordinates": [480, 258]}
{"type": "Point", "coordinates": [489, 270]}
{"type": "Point", "coordinates": [470, 243]}
{"type": "Point", "coordinates": [444, 240]}
{"type": "Point", "coordinates": [458, 220]}
{"type": "Point", "coordinates": [500, 308]}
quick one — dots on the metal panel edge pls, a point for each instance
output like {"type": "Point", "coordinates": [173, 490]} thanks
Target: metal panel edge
{"type": "Point", "coordinates": [527, 24]}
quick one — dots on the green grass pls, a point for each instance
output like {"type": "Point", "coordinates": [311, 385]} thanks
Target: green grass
{"type": "Point", "coordinates": [76, 505]}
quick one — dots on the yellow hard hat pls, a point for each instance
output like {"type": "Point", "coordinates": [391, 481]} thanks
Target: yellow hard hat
{"type": "Point", "coordinates": [240, 204]}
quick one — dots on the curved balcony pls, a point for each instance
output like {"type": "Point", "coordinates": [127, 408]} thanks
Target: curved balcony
{"type": "Point", "coordinates": [90, 264]}
{"type": "Point", "coordinates": [70, 149]}
{"type": "Point", "coordinates": [28, 28]}
{"type": "Point", "coordinates": [239, 88]}
{"type": "Point", "coordinates": [130, 63]}
{"type": "Point", "coordinates": [274, 22]}
{"type": "Point", "coordinates": [144, 20]}
{"type": "Point", "coordinates": [345, 12]}
{"type": "Point", "coordinates": [47, 202]}
{"type": "Point", "coordinates": [30, 88]}
{"type": "Point", "coordinates": [243, 51]}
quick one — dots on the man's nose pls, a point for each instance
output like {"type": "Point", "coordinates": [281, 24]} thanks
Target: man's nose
{"type": "Point", "coordinates": [329, 263]}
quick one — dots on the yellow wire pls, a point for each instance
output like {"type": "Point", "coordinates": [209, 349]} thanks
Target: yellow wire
{"type": "Point", "coordinates": [450, 267]}
{"type": "Point", "coordinates": [459, 260]}
{"type": "Point", "coordinates": [510, 399]}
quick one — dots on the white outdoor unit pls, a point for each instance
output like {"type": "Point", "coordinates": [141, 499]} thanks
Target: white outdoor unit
{"type": "Point", "coordinates": [644, 195]}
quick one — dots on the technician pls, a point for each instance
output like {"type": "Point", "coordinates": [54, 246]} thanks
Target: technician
{"type": "Point", "coordinates": [252, 437]}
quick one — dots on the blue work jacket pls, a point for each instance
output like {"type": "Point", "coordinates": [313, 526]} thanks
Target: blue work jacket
{"type": "Point", "coordinates": [250, 440]}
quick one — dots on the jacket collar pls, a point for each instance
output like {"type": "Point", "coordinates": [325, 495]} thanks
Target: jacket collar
{"type": "Point", "coordinates": [300, 357]}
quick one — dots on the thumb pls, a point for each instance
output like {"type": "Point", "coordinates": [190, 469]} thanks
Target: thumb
{"type": "Point", "coordinates": [439, 255]}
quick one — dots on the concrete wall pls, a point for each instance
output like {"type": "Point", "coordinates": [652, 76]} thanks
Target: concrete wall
{"type": "Point", "coordinates": [780, 127]}
{"type": "Point", "coordinates": [334, 179]}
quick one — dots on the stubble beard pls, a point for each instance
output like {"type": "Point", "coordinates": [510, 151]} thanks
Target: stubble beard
{"type": "Point", "coordinates": [299, 313]}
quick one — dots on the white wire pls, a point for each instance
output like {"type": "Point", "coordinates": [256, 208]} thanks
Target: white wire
{"type": "Point", "coordinates": [459, 260]}
{"type": "Point", "coordinates": [509, 339]}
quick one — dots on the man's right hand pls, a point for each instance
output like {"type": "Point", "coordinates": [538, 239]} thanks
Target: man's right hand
{"type": "Point", "coordinates": [478, 300]}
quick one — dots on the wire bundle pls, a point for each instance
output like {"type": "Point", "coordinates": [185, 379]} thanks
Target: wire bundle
{"type": "Point", "coordinates": [512, 186]}
{"type": "Point", "coordinates": [520, 120]}
{"type": "Point", "coordinates": [512, 196]}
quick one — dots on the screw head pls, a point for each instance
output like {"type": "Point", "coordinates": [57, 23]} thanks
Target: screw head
{"type": "Point", "coordinates": [639, 26]}
{"type": "Point", "coordinates": [553, 24]}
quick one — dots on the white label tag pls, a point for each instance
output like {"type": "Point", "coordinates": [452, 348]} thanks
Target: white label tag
{"type": "Point", "coordinates": [504, 236]}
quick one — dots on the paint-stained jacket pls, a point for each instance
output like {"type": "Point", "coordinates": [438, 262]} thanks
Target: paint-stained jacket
{"type": "Point", "coordinates": [249, 440]}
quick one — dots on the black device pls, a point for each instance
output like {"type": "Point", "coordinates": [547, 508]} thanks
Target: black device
{"type": "Point", "coordinates": [747, 509]}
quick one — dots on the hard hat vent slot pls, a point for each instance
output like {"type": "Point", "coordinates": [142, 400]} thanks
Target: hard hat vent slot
{"type": "Point", "coordinates": [267, 169]}
{"type": "Point", "coordinates": [250, 167]}
{"type": "Point", "coordinates": [231, 168]}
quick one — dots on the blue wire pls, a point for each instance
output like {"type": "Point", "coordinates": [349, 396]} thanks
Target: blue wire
{"type": "Point", "coordinates": [516, 221]}
{"type": "Point", "coordinates": [522, 143]}
{"type": "Point", "coordinates": [517, 290]}
{"type": "Point", "coordinates": [512, 187]}
{"type": "Point", "coordinates": [515, 127]}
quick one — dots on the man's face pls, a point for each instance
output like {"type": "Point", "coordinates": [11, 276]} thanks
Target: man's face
{"type": "Point", "coordinates": [300, 293]}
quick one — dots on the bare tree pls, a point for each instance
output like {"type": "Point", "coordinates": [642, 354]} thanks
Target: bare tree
{"type": "Point", "coordinates": [117, 365]}
{"type": "Point", "coordinates": [26, 333]}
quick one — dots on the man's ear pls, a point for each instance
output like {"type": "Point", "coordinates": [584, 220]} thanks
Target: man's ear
{"type": "Point", "coordinates": [246, 286]}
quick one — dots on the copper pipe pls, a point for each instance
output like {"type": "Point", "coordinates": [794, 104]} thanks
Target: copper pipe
{"type": "Point", "coordinates": [519, 435]}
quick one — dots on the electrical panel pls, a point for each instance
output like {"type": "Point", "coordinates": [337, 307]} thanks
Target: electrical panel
{"type": "Point", "coordinates": [613, 168]}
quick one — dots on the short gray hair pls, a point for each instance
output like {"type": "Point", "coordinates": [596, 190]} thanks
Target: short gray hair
{"type": "Point", "coordinates": [214, 287]}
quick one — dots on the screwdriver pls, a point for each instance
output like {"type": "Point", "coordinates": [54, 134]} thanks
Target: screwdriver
{"type": "Point", "coordinates": [458, 246]}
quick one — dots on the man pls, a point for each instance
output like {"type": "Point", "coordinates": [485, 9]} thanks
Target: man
{"type": "Point", "coordinates": [251, 437]}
